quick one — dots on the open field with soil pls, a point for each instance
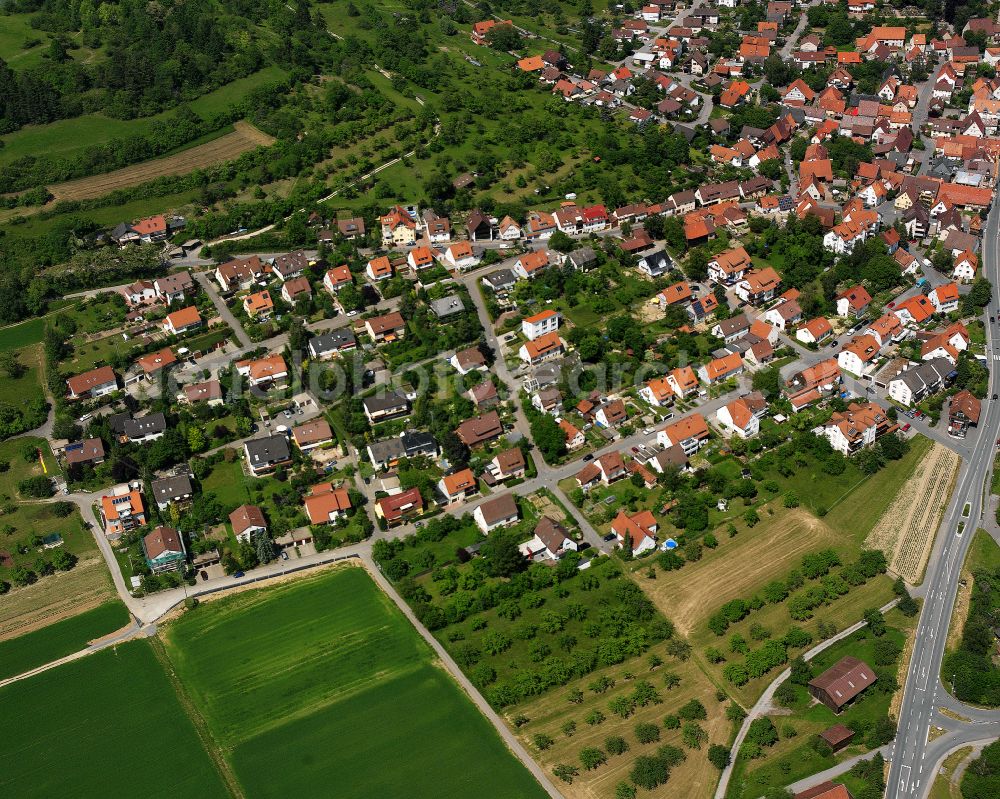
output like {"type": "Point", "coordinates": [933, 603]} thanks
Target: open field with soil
{"type": "Point", "coordinates": [905, 533]}
{"type": "Point", "coordinates": [280, 674]}
{"type": "Point", "coordinates": [106, 725]}
{"type": "Point", "coordinates": [60, 638]}
{"type": "Point", "coordinates": [245, 137]}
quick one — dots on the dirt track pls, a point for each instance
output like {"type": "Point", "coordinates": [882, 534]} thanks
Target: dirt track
{"type": "Point", "coordinates": [244, 138]}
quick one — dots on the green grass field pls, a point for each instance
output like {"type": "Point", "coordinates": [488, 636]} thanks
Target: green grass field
{"type": "Point", "coordinates": [68, 137]}
{"type": "Point", "coordinates": [28, 386]}
{"type": "Point", "coordinates": [314, 683]}
{"type": "Point", "coordinates": [15, 31]}
{"type": "Point", "coordinates": [107, 725]}
{"type": "Point", "coordinates": [13, 451]}
{"type": "Point", "coordinates": [36, 648]}
{"type": "Point", "coordinates": [23, 334]}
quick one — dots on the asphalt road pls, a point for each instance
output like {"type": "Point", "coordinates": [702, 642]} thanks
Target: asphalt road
{"type": "Point", "coordinates": [912, 772]}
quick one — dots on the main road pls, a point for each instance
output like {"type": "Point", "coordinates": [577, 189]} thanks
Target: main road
{"type": "Point", "coordinates": [911, 772]}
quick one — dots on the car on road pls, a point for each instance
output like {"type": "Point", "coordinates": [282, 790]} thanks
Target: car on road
{"type": "Point", "coordinates": [588, 457]}
{"type": "Point", "coordinates": [610, 537]}
{"type": "Point", "coordinates": [890, 304]}
{"type": "Point", "coordinates": [284, 555]}
{"type": "Point", "coordinates": [833, 343]}
{"type": "Point", "coordinates": [869, 390]}
{"type": "Point", "coordinates": [635, 449]}
{"type": "Point", "coordinates": [418, 525]}
{"type": "Point", "coordinates": [237, 575]}
{"type": "Point", "coordinates": [994, 396]}
{"type": "Point", "coordinates": [991, 320]}
{"type": "Point", "coordinates": [906, 427]}
{"type": "Point", "coordinates": [918, 414]}
{"type": "Point", "coordinates": [352, 313]}
{"type": "Point", "coordinates": [648, 431]}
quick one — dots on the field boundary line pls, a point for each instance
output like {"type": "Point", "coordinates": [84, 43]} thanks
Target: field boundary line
{"type": "Point", "coordinates": [198, 721]}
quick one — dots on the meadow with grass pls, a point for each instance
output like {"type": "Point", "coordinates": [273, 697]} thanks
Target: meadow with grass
{"type": "Point", "coordinates": [317, 682]}
{"type": "Point", "coordinates": [106, 725]}
{"type": "Point", "coordinates": [46, 644]}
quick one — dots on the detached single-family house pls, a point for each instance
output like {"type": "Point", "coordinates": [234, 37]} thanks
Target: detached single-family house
{"type": "Point", "coordinates": [182, 321]}
{"type": "Point", "coordinates": [737, 418]}
{"type": "Point", "coordinates": [543, 348]}
{"type": "Point", "coordinates": [247, 521]}
{"type": "Point", "coordinates": [122, 512]}
{"type": "Point", "coordinates": [325, 504]}
{"type": "Point", "coordinates": [92, 384]}
{"type": "Point", "coordinates": [551, 540]}
{"type": "Point", "coordinates": [540, 324]}
{"type": "Point", "coordinates": [400, 508]}
{"type": "Point", "coordinates": [164, 550]}
{"type": "Point", "coordinates": [458, 486]}
{"type": "Point", "coordinates": [266, 454]}
{"type": "Point", "coordinates": [815, 331]}
{"type": "Point", "coordinates": [169, 491]}
{"type": "Point", "coordinates": [636, 531]}
{"type": "Point", "coordinates": [495, 513]}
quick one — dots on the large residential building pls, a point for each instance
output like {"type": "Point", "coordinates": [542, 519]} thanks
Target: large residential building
{"type": "Point", "coordinates": [857, 427]}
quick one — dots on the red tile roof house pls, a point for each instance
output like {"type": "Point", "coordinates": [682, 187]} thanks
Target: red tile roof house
{"type": "Point", "coordinates": [853, 302]}
{"type": "Point", "coordinates": [496, 512]}
{"type": "Point", "coordinates": [122, 512]}
{"type": "Point", "coordinates": [239, 274]}
{"type": "Point", "coordinates": [95, 383]}
{"type": "Point", "coordinates": [182, 321]}
{"type": "Point", "coordinates": [326, 504]}
{"type": "Point", "coordinates": [338, 277]}
{"type": "Point", "coordinates": [399, 508]}
{"type": "Point", "coordinates": [689, 433]}
{"type": "Point", "coordinates": [295, 287]}
{"type": "Point", "coordinates": [825, 790]}
{"type": "Point", "coordinates": [312, 434]}
{"type": "Point", "coordinates": [639, 528]}
{"type": "Point", "coordinates": [247, 520]}
{"type": "Point", "coordinates": [721, 369]}
{"type": "Point", "coordinates": [164, 550]}
{"type": "Point", "coordinates": [543, 348]}
{"type": "Point", "coordinates": [458, 486]}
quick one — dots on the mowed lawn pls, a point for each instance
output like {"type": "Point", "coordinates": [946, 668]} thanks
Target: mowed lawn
{"type": "Point", "coordinates": [316, 682]}
{"type": "Point", "coordinates": [62, 638]}
{"type": "Point", "coordinates": [106, 725]}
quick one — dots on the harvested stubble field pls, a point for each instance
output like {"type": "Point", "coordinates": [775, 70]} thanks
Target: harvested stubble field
{"type": "Point", "coordinates": [905, 532]}
{"type": "Point", "coordinates": [245, 137]}
{"type": "Point", "coordinates": [739, 566]}
{"type": "Point", "coordinates": [54, 598]}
